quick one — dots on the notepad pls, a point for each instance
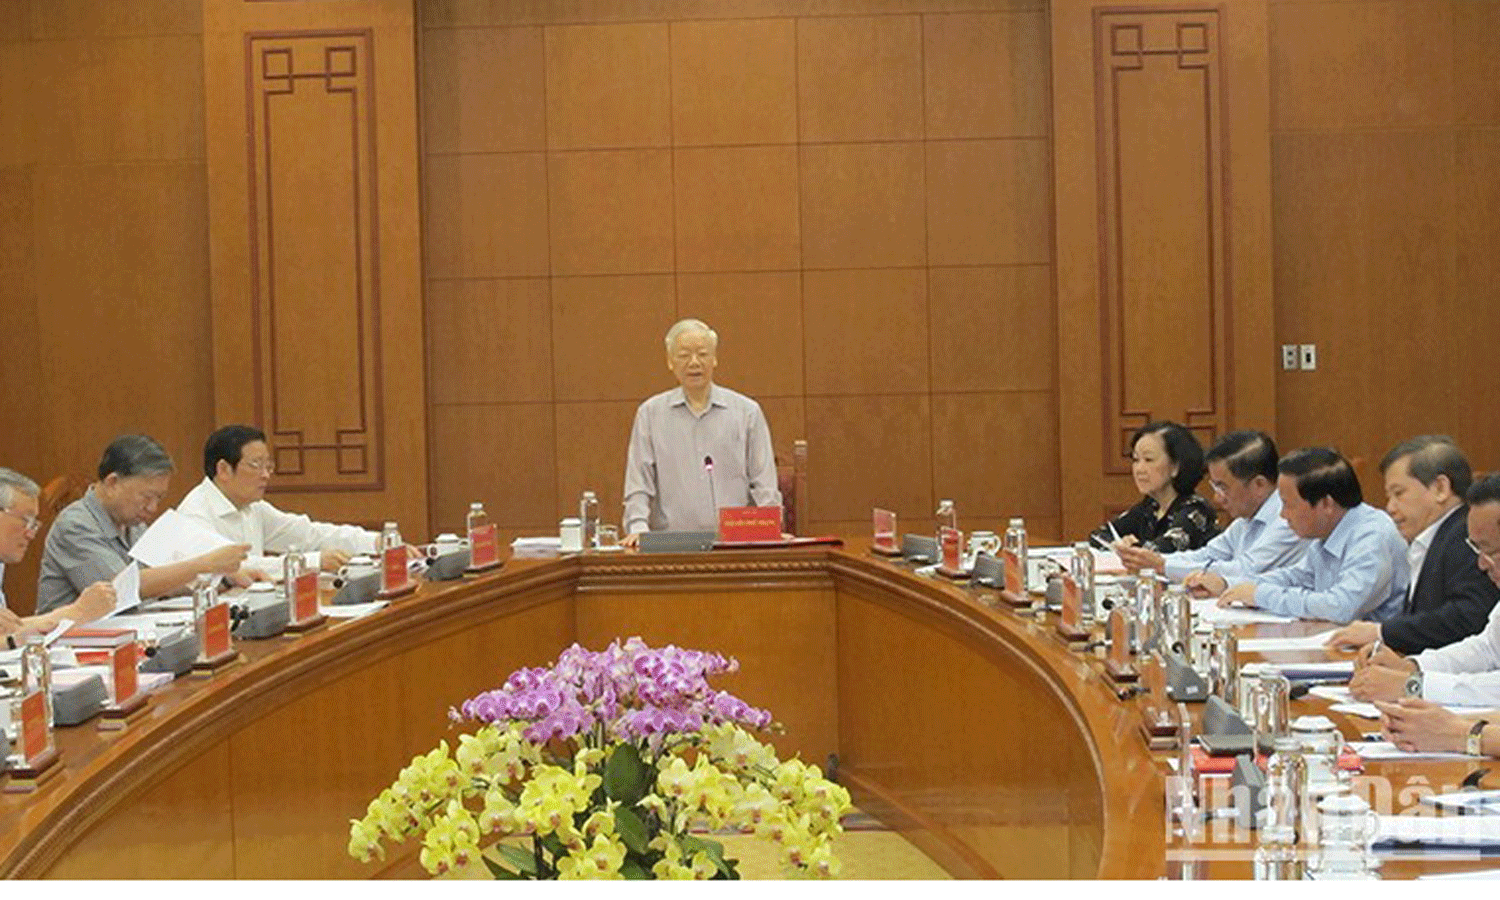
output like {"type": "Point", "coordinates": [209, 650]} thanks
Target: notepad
{"type": "Point", "coordinates": [1209, 611]}
{"type": "Point", "coordinates": [1439, 831]}
{"type": "Point", "coordinates": [1388, 750]}
{"type": "Point", "coordinates": [1286, 644]}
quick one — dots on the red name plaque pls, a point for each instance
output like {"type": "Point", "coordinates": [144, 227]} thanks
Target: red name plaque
{"type": "Point", "coordinates": [950, 550]}
{"type": "Point", "coordinates": [749, 523]}
{"type": "Point", "coordinates": [1070, 621]}
{"type": "Point", "coordinates": [126, 679]}
{"type": "Point", "coordinates": [484, 548]}
{"type": "Point", "coordinates": [393, 574]}
{"type": "Point", "coordinates": [216, 640]}
{"type": "Point", "coordinates": [884, 541]}
{"type": "Point", "coordinates": [34, 727]}
{"type": "Point", "coordinates": [305, 597]}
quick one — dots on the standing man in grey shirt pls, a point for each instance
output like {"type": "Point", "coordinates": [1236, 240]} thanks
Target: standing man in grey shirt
{"type": "Point", "coordinates": [697, 447]}
{"type": "Point", "coordinates": [92, 537]}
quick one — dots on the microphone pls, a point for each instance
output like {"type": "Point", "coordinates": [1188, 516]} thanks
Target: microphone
{"type": "Point", "coordinates": [708, 466]}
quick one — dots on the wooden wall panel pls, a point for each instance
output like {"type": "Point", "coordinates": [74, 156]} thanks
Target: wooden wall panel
{"type": "Point", "coordinates": [1384, 164]}
{"type": "Point", "coordinates": [314, 222]}
{"type": "Point", "coordinates": [1161, 185]}
{"type": "Point", "coordinates": [820, 184]}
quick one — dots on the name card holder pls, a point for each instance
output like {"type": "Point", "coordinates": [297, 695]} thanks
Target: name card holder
{"type": "Point", "coordinates": [215, 645]}
{"type": "Point", "coordinates": [126, 701]}
{"type": "Point", "coordinates": [749, 524]}
{"type": "Point", "coordinates": [484, 549]}
{"type": "Point", "coordinates": [1070, 622]}
{"type": "Point", "coordinates": [884, 542]}
{"type": "Point", "coordinates": [395, 577]}
{"type": "Point", "coordinates": [1014, 594]}
{"type": "Point", "coordinates": [38, 754]}
{"type": "Point", "coordinates": [950, 553]}
{"type": "Point", "coordinates": [304, 613]}
{"type": "Point", "coordinates": [1119, 664]}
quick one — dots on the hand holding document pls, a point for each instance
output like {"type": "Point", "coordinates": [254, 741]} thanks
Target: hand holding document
{"type": "Point", "coordinates": [174, 537]}
{"type": "Point", "coordinates": [127, 587]}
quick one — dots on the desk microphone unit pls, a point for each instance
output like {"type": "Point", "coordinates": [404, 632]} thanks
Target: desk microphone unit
{"type": "Point", "coordinates": [1184, 684]}
{"type": "Point", "coordinates": [920, 549]}
{"type": "Point", "coordinates": [175, 653]}
{"type": "Point", "coordinates": [262, 617]}
{"type": "Point", "coordinates": [357, 590]}
{"type": "Point", "coordinates": [76, 703]}
{"type": "Point", "coordinates": [677, 541]}
{"type": "Point", "coordinates": [988, 571]}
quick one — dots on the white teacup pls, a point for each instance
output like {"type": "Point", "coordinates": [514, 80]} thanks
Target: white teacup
{"type": "Point", "coordinates": [358, 567]}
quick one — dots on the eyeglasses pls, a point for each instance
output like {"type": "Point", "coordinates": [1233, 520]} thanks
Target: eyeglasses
{"type": "Point", "coordinates": [263, 466]}
{"type": "Point", "coordinates": [1492, 557]}
{"type": "Point", "coordinates": [32, 523]}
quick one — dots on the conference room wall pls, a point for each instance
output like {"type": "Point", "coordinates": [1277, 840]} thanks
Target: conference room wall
{"type": "Point", "coordinates": [1386, 161]}
{"type": "Point", "coordinates": [857, 200]}
{"type": "Point", "coordinates": [103, 238]}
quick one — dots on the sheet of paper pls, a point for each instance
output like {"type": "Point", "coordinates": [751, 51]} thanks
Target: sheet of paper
{"type": "Point", "coordinates": [1479, 801]}
{"type": "Point", "coordinates": [1388, 750]}
{"type": "Point", "coordinates": [1447, 831]}
{"type": "Point", "coordinates": [128, 588]}
{"type": "Point", "coordinates": [1281, 644]}
{"type": "Point", "coordinates": [174, 537]}
{"type": "Point", "coordinates": [1208, 610]}
{"type": "Point", "coordinates": [353, 610]}
{"type": "Point", "coordinates": [1480, 875]}
{"type": "Point", "coordinates": [61, 657]}
{"type": "Point", "coordinates": [1329, 669]}
{"type": "Point", "coordinates": [57, 632]}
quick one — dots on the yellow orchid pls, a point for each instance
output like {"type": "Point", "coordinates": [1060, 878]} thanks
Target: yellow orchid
{"type": "Point", "coordinates": [600, 860]}
{"type": "Point", "coordinates": [364, 841]}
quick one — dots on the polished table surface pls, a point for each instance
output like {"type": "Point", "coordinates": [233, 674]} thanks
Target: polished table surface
{"type": "Point", "coordinates": [976, 732]}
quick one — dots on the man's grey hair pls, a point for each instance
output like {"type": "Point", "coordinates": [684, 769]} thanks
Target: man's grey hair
{"type": "Point", "coordinates": [686, 325]}
{"type": "Point", "coordinates": [1430, 455]}
{"type": "Point", "coordinates": [134, 454]}
{"type": "Point", "coordinates": [12, 483]}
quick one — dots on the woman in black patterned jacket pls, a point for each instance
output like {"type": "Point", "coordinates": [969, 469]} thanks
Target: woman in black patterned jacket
{"type": "Point", "coordinates": [1167, 464]}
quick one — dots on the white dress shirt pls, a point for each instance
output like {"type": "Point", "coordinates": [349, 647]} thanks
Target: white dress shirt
{"type": "Point", "coordinates": [1416, 553]}
{"type": "Point", "coordinates": [1246, 548]}
{"type": "Point", "coordinates": [1467, 671]}
{"type": "Point", "coordinates": [268, 530]}
{"type": "Point", "coordinates": [667, 485]}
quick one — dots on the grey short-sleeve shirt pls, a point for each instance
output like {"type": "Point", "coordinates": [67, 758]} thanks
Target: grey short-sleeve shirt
{"type": "Point", "coordinates": [84, 546]}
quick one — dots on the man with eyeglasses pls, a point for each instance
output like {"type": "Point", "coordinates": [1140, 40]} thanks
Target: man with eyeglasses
{"type": "Point", "coordinates": [237, 469]}
{"type": "Point", "coordinates": [1465, 672]}
{"type": "Point", "coordinates": [18, 525]}
{"type": "Point", "coordinates": [1449, 598]}
{"type": "Point", "coordinates": [1242, 471]}
{"type": "Point", "coordinates": [696, 447]}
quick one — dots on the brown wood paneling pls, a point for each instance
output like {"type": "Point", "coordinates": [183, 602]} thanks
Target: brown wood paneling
{"type": "Point", "coordinates": [1161, 181]}
{"type": "Point", "coordinates": [984, 202]}
{"type": "Point", "coordinates": [608, 86]}
{"type": "Point", "coordinates": [18, 95]}
{"type": "Point", "coordinates": [993, 328]}
{"type": "Point", "coordinates": [849, 312]}
{"type": "Point", "coordinates": [787, 419]}
{"type": "Point", "coordinates": [876, 59]}
{"type": "Point", "coordinates": [862, 205]}
{"type": "Point", "coordinates": [483, 90]}
{"type": "Point", "coordinates": [486, 215]}
{"type": "Point", "coordinates": [1476, 62]}
{"type": "Point", "coordinates": [498, 454]}
{"type": "Point", "coordinates": [758, 317]}
{"type": "Point", "coordinates": [489, 340]}
{"type": "Point", "coordinates": [593, 438]}
{"type": "Point", "coordinates": [879, 452]}
{"type": "Point", "coordinates": [995, 452]}
{"type": "Point", "coordinates": [973, 91]}
{"type": "Point", "coordinates": [628, 359]}
{"type": "Point", "coordinates": [736, 209]}
{"type": "Point", "coordinates": [753, 62]}
{"type": "Point", "coordinates": [1338, 65]}
{"type": "Point", "coordinates": [482, 13]}
{"type": "Point", "coordinates": [313, 212]}
{"type": "Point", "coordinates": [611, 212]}
{"type": "Point", "coordinates": [57, 19]}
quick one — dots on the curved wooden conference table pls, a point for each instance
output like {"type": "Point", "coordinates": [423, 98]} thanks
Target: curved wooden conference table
{"type": "Point", "coordinates": [974, 731]}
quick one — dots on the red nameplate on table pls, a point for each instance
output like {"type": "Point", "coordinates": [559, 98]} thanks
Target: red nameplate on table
{"type": "Point", "coordinates": [34, 727]}
{"type": "Point", "coordinates": [216, 640]}
{"type": "Point", "coordinates": [884, 541]}
{"type": "Point", "coordinates": [126, 680]}
{"type": "Point", "coordinates": [305, 597]}
{"type": "Point", "coordinates": [394, 576]}
{"type": "Point", "coordinates": [749, 523]}
{"type": "Point", "coordinates": [1015, 581]}
{"type": "Point", "coordinates": [950, 551]}
{"type": "Point", "coordinates": [484, 548]}
{"type": "Point", "coordinates": [1070, 622]}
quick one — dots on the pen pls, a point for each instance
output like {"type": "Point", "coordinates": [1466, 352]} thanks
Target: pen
{"type": "Point", "coordinates": [1102, 546]}
{"type": "Point", "coordinates": [1112, 531]}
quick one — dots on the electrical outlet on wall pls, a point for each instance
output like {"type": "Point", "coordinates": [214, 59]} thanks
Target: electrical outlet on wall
{"type": "Point", "coordinates": [1288, 357]}
{"type": "Point", "coordinates": [1309, 353]}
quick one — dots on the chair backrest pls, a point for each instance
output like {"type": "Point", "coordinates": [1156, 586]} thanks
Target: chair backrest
{"type": "Point", "coordinates": [791, 479]}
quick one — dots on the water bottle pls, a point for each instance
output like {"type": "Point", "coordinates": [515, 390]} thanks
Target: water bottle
{"type": "Point", "coordinates": [36, 672]}
{"type": "Point", "coordinates": [588, 517]}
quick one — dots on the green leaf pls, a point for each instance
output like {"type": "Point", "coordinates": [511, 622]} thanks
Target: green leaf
{"type": "Point", "coordinates": [634, 871]}
{"type": "Point", "coordinates": [554, 846]}
{"type": "Point", "coordinates": [632, 829]}
{"type": "Point", "coordinates": [714, 850]}
{"type": "Point", "coordinates": [520, 857]}
{"type": "Point", "coordinates": [499, 872]}
{"type": "Point", "coordinates": [627, 778]}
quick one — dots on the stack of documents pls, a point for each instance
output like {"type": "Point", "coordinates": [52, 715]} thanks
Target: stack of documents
{"type": "Point", "coordinates": [1467, 832]}
{"type": "Point", "coordinates": [536, 547]}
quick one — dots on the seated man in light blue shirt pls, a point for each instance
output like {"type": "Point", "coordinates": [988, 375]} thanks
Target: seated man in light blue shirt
{"type": "Point", "coordinates": [1242, 471]}
{"type": "Point", "coordinates": [1356, 567]}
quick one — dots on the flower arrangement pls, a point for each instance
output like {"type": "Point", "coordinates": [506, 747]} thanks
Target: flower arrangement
{"type": "Point", "coordinates": [604, 766]}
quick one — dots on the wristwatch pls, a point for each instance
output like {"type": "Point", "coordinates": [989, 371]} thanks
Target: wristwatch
{"type": "Point", "coordinates": [1473, 743]}
{"type": "Point", "coordinates": [1414, 684]}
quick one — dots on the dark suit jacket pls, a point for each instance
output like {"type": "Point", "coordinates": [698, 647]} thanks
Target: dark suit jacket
{"type": "Point", "coordinates": [1452, 598]}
